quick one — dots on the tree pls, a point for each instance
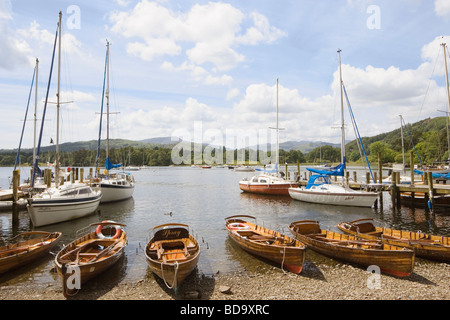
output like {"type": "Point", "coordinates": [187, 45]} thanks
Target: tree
{"type": "Point", "coordinates": [387, 154]}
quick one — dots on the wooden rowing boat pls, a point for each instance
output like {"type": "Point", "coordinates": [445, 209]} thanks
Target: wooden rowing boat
{"type": "Point", "coordinates": [266, 243]}
{"type": "Point", "coordinates": [172, 253]}
{"type": "Point", "coordinates": [390, 259]}
{"type": "Point", "coordinates": [26, 247]}
{"type": "Point", "coordinates": [426, 246]}
{"type": "Point", "coordinates": [90, 254]}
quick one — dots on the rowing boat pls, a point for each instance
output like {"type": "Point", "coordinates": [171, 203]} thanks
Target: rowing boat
{"type": "Point", "coordinates": [172, 253]}
{"type": "Point", "coordinates": [90, 255]}
{"type": "Point", "coordinates": [26, 247]}
{"type": "Point", "coordinates": [426, 246]}
{"type": "Point", "coordinates": [390, 259]}
{"type": "Point", "coordinates": [266, 243]}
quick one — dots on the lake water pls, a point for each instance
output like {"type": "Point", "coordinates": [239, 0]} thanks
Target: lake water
{"type": "Point", "coordinates": [202, 198]}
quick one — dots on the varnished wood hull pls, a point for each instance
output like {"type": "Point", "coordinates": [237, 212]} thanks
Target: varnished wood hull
{"type": "Point", "coordinates": [77, 266]}
{"type": "Point", "coordinates": [268, 244]}
{"type": "Point", "coordinates": [390, 259]}
{"type": "Point", "coordinates": [267, 189]}
{"type": "Point", "coordinates": [424, 245]}
{"type": "Point", "coordinates": [172, 264]}
{"type": "Point", "coordinates": [23, 252]}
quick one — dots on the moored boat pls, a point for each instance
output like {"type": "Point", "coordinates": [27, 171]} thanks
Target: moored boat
{"type": "Point", "coordinates": [115, 186]}
{"type": "Point", "coordinates": [289, 253]}
{"type": "Point", "coordinates": [172, 253]}
{"type": "Point", "coordinates": [426, 246]}
{"type": "Point", "coordinates": [66, 202]}
{"type": "Point", "coordinates": [321, 190]}
{"type": "Point", "coordinates": [390, 259]}
{"type": "Point", "coordinates": [267, 184]}
{"type": "Point", "coordinates": [90, 254]}
{"type": "Point", "coordinates": [26, 247]}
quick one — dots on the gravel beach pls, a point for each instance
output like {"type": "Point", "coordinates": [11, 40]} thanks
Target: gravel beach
{"type": "Point", "coordinates": [321, 279]}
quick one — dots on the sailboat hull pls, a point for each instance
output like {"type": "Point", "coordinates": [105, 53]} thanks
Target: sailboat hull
{"type": "Point", "coordinates": [269, 189]}
{"type": "Point", "coordinates": [50, 211]}
{"type": "Point", "coordinates": [267, 184]}
{"type": "Point", "coordinates": [112, 193]}
{"type": "Point", "coordinates": [342, 198]}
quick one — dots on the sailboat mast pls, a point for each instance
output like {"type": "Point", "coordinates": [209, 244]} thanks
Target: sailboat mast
{"type": "Point", "coordinates": [403, 145]}
{"type": "Point", "coordinates": [107, 100]}
{"type": "Point", "coordinates": [278, 142]}
{"type": "Point", "coordinates": [342, 115]}
{"type": "Point", "coordinates": [35, 110]}
{"type": "Point", "coordinates": [448, 90]}
{"type": "Point", "coordinates": [57, 165]}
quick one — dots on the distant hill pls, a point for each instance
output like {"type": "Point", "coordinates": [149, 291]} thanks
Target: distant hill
{"type": "Point", "coordinates": [305, 146]}
{"type": "Point", "coordinates": [392, 138]}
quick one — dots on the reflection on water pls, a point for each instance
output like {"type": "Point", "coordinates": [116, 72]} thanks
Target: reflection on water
{"type": "Point", "coordinates": [203, 199]}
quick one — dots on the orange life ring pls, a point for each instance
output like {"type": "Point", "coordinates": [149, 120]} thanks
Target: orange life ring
{"type": "Point", "coordinates": [99, 233]}
{"type": "Point", "coordinates": [238, 226]}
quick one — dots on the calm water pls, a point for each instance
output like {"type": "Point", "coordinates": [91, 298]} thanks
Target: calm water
{"type": "Point", "coordinates": [202, 198]}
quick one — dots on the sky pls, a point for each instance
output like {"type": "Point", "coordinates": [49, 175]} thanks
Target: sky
{"type": "Point", "coordinates": [207, 71]}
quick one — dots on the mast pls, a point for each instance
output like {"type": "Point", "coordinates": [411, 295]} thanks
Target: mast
{"type": "Point", "coordinates": [342, 116]}
{"type": "Point", "coordinates": [107, 101]}
{"type": "Point", "coordinates": [57, 165]}
{"type": "Point", "coordinates": [35, 110]}
{"type": "Point", "coordinates": [278, 142]}
{"type": "Point", "coordinates": [448, 91]}
{"type": "Point", "coordinates": [403, 146]}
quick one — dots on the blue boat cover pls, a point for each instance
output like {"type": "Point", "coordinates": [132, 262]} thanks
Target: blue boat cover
{"type": "Point", "coordinates": [333, 171]}
{"type": "Point", "coordinates": [317, 180]}
{"type": "Point", "coordinates": [109, 165]}
{"type": "Point", "coordinates": [435, 175]}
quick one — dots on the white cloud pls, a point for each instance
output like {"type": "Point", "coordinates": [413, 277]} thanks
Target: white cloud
{"type": "Point", "coordinates": [442, 7]}
{"type": "Point", "coordinates": [14, 51]}
{"type": "Point", "coordinates": [205, 35]}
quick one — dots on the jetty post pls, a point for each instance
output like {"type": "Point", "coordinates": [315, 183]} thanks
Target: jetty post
{"type": "Point", "coordinates": [430, 190]}
{"type": "Point", "coordinates": [411, 167]}
{"type": "Point", "coordinates": [15, 194]}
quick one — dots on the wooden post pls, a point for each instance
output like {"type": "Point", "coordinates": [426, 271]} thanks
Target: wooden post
{"type": "Point", "coordinates": [287, 177]}
{"type": "Point", "coordinates": [81, 174]}
{"type": "Point", "coordinates": [411, 165]}
{"type": "Point", "coordinates": [430, 189]}
{"type": "Point", "coordinates": [15, 206]}
{"type": "Point", "coordinates": [355, 178]}
{"type": "Point", "coordinates": [298, 170]}
{"type": "Point", "coordinates": [394, 190]}
{"type": "Point", "coordinates": [380, 168]}
{"type": "Point", "coordinates": [16, 179]}
{"type": "Point", "coordinates": [367, 177]}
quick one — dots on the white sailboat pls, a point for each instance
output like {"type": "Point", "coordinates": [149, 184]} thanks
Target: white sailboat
{"type": "Point", "coordinates": [66, 201]}
{"type": "Point", "coordinates": [115, 186]}
{"type": "Point", "coordinates": [269, 182]}
{"type": "Point", "coordinates": [320, 189]}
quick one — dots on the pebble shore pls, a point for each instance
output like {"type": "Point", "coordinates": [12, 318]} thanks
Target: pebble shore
{"type": "Point", "coordinates": [328, 281]}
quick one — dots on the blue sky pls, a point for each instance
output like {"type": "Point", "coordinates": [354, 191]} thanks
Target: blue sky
{"type": "Point", "coordinates": [178, 65]}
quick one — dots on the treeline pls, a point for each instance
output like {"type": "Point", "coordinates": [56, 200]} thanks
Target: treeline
{"type": "Point", "coordinates": [427, 139]}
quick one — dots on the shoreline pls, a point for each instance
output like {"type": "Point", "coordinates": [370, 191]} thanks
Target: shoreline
{"type": "Point", "coordinates": [337, 281]}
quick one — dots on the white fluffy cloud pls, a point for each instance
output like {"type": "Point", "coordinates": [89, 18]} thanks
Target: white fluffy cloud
{"type": "Point", "coordinates": [13, 50]}
{"type": "Point", "coordinates": [207, 35]}
{"type": "Point", "coordinates": [442, 7]}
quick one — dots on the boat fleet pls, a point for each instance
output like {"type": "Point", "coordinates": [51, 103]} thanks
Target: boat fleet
{"type": "Point", "coordinates": [172, 252]}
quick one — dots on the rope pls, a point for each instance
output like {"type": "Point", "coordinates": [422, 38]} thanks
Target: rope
{"type": "Point", "coordinates": [174, 278]}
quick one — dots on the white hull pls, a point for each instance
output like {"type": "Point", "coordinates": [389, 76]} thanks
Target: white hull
{"type": "Point", "coordinates": [334, 196]}
{"type": "Point", "coordinates": [63, 204]}
{"type": "Point", "coordinates": [111, 193]}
